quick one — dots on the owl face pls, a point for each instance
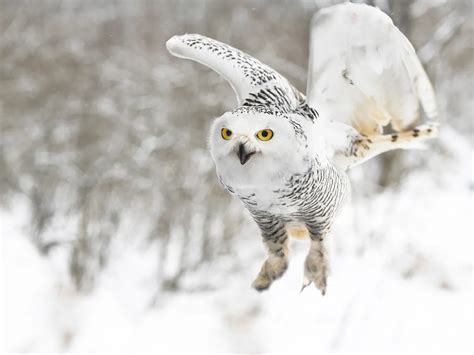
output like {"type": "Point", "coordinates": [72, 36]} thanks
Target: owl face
{"type": "Point", "coordinates": [253, 147]}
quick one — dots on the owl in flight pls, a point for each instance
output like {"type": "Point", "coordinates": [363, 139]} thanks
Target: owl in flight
{"type": "Point", "coordinates": [284, 154]}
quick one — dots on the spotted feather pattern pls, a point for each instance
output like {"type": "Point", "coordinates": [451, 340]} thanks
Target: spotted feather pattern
{"type": "Point", "coordinates": [276, 99]}
{"type": "Point", "coordinates": [248, 76]}
{"type": "Point", "coordinates": [258, 73]}
{"type": "Point", "coordinates": [314, 198]}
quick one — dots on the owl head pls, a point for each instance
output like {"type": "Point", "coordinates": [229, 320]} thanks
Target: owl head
{"type": "Point", "coordinates": [254, 145]}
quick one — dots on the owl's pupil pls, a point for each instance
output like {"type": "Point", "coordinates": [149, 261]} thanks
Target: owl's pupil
{"type": "Point", "coordinates": [264, 133]}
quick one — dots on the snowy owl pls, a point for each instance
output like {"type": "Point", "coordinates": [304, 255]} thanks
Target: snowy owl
{"type": "Point", "coordinates": [284, 155]}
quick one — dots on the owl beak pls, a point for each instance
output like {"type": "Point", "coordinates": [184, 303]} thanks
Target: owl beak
{"type": "Point", "coordinates": [244, 154]}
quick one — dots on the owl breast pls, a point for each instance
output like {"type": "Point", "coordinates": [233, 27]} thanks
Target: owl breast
{"type": "Point", "coordinates": [264, 198]}
{"type": "Point", "coordinates": [316, 195]}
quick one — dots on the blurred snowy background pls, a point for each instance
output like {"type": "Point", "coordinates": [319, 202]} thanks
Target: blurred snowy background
{"type": "Point", "coordinates": [115, 235]}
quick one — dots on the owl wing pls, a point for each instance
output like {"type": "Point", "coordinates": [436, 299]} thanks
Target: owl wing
{"type": "Point", "coordinates": [364, 73]}
{"type": "Point", "coordinates": [253, 82]}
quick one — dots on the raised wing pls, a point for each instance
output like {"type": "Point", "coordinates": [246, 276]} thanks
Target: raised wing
{"type": "Point", "coordinates": [254, 83]}
{"type": "Point", "coordinates": [364, 72]}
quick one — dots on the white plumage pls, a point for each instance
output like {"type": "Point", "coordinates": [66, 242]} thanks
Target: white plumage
{"type": "Point", "coordinates": [284, 155]}
{"type": "Point", "coordinates": [245, 74]}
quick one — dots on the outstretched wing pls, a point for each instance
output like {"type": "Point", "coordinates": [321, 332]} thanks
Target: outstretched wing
{"type": "Point", "coordinates": [254, 83]}
{"type": "Point", "coordinates": [364, 72]}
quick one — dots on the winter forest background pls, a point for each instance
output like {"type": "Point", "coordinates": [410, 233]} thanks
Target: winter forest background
{"type": "Point", "coordinates": [115, 235]}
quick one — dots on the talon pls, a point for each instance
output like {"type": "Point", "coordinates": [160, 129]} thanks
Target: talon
{"type": "Point", "coordinates": [306, 283]}
{"type": "Point", "coordinates": [304, 286]}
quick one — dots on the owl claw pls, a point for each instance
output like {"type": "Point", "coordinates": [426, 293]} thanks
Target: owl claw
{"type": "Point", "coordinates": [323, 291]}
{"type": "Point", "coordinates": [306, 283]}
{"type": "Point", "coordinates": [319, 281]}
{"type": "Point", "coordinates": [304, 286]}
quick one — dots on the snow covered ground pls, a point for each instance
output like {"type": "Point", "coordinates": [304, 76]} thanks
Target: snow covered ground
{"type": "Point", "coordinates": [401, 280]}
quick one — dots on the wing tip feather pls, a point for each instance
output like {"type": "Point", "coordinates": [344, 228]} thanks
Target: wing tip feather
{"type": "Point", "coordinates": [173, 45]}
{"type": "Point", "coordinates": [176, 45]}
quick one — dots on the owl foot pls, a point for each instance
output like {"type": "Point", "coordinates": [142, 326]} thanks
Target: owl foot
{"type": "Point", "coordinates": [316, 268]}
{"type": "Point", "coordinates": [273, 268]}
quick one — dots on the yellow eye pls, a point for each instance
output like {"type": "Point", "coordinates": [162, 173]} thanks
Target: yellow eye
{"type": "Point", "coordinates": [226, 133]}
{"type": "Point", "coordinates": [265, 134]}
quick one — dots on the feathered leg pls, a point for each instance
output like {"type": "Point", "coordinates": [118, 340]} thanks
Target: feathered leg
{"type": "Point", "coordinates": [276, 240]}
{"type": "Point", "coordinates": [316, 265]}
